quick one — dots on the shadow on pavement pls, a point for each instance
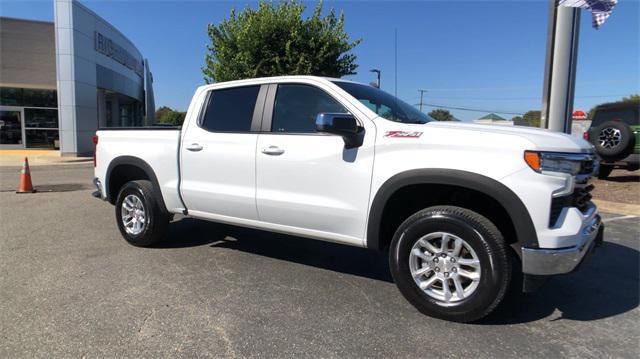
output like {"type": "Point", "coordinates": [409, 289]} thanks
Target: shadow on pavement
{"type": "Point", "coordinates": [50, 188]}
{"type": "Point", "coordinates": [624, 179]}
{"type": "Point", "coordinates": [63, 187]}
{"type": "Point", "coordinates": [189, 232]}
{"type": "Point", "coordinates": [605, 286]}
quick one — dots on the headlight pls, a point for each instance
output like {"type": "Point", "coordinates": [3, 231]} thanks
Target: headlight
{"type": "Point", "coordinates": [554, 162]}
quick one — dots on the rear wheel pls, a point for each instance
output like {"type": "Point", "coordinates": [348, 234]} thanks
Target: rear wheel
{"type": "Point", "coordinates": [450, 263]}
{"type": "Point", "coordinates": [140, 219]}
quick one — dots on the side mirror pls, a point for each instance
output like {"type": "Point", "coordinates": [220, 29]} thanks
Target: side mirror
{"type": "Point", "coordinates": [341, 124]}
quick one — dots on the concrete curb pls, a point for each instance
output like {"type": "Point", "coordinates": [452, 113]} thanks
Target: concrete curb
{"type": "Point", "coordinates": [617, 207]}
{"type": "Point", "coordinates": [12, 158]}
{"type": "Point", "coordinates": [34, 161]}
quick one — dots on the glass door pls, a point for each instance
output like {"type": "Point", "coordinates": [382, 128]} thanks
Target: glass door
{"type": "Point", "coordinates": [11, 129]}
{"type": "Point", "coordinates": [41, 128]}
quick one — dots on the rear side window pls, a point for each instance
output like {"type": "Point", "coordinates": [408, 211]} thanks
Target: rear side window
{"type": "Point", "coordinates": [297, 106]}
{"type": "Point", "coordinates": [628, 115]}
{"type": "Point", "coordinates": [230, 110]}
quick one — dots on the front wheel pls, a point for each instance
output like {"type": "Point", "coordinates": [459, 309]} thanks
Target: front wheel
{"type": "Point", "coordinates": [140, 219]}
{"type": "Point", "coordinates": [450, 263]}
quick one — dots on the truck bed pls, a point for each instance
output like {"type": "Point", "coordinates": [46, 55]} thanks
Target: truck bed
{"type": "Point", "coordinates": [156, 145]}
{"type": "Point", "coordinates": [142, 128]}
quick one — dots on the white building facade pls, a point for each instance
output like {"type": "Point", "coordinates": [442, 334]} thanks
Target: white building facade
{"type": "Point", "coordinates": [100, 79]}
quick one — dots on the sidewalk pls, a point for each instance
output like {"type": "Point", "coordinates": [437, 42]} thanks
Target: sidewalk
{"type": "Point", "coordinates": [38, 158]}
{"type": "Point", "coordinates": [617, 207]}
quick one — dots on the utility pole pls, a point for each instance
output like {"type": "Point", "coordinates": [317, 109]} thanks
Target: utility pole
{"type": "Point", "coordinates": [560, 67]}
{"type": "Point", "coordinates": [421, 96]}
{"type": "Point", "coordinates": [395, 66]}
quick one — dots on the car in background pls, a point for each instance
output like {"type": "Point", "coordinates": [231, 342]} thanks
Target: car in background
{"type": "Point", "coordinates": [615, 134]}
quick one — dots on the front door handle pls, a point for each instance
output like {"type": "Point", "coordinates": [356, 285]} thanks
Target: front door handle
{"type": "Point", "coordinates": [273, 151]}
{"type": "Point", "coordinates": [195, 147]}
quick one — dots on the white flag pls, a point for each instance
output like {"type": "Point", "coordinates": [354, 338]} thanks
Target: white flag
{"type": "Point", "coordinates": [600, 9]}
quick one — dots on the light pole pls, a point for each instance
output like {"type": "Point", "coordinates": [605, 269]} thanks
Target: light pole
{"type": "Point", "coordinates": [377, 84]}
{"type": "Point", "coordinates": [560, 68]}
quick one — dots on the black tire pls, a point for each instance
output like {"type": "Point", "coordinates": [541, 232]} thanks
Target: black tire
{"type": "Point", "coordinates": [619, 140]}
{"type": "Point", "coordinates": [156, 220]}
{"type": "Point", "coordinates": [481, 235]}
{"type": "Point", "coordinates": [604, 171]}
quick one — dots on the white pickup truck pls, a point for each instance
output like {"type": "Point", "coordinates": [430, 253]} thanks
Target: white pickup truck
{"type": "Point", "coordinates": [463, 209]}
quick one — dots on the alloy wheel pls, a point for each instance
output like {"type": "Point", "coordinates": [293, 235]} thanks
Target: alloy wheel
{"type": "Point", "coordinates": [133, 215]}
{"type": "Point", "coordinates": [445, 267]}
{"type": "Point", "coordinates": [610, 137]}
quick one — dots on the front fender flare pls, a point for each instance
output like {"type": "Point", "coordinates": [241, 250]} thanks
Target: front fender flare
{"type": "Point", "coordinates": [517, 211]}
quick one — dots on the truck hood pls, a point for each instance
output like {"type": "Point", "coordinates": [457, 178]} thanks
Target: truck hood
{"type": "Point", "coordinates": [540, 139]}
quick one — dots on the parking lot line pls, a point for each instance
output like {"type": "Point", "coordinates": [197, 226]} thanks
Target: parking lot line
{"type": "Point", "coordinates": [618, 218]}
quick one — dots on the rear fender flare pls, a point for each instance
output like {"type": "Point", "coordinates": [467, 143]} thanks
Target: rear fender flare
{"type": "Point", "coordinates": [141, 164]}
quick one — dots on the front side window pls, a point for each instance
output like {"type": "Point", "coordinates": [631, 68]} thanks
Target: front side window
{"type": "Point", "coordinates": [297, 106]}
{"type": "Point", "coordinates": [230, 110]}
{"type": "Point", "coordinates": [384, 104]}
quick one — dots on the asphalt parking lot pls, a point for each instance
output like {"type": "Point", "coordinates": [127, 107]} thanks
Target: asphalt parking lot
{"type": "Point", "coordinates": [72, 287]}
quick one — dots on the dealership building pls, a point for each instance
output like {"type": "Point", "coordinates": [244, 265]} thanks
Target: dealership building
{"type": "Point", "coordinates": [62, 80]}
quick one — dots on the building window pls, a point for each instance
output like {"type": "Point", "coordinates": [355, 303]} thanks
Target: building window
{"type": "Point", "coordinates": [10, 128]}
{"type": "Point", "coordinates": [42, 138]}
{"type": "Point", "coordinates": [29, 118]}
{"type": "Point", "coordinates": [10, 96]}
{"type": "Point", "coordinates": [41, 118]}
{"type": "Point", "coordinates": [39, 98]}
{"type": "Point", "coordinates": [41, 128]}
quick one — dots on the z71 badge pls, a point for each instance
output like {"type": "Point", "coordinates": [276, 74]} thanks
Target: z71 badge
{"type": "Point", "coordinates": [403, 134]}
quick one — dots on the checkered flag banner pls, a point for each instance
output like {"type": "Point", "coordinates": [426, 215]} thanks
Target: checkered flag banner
{"type": "Point", "coordinates": [600, 9]}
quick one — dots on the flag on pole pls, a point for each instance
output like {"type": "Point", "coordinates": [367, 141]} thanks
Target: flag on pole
{"type": "Point", "coordinates": [600, 9]}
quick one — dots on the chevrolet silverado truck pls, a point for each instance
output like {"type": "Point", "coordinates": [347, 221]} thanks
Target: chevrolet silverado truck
{"type": "Point", "coordinates": [462, 209]}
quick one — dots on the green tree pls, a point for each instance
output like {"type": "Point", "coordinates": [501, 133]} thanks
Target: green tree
{"type": "Point", "coordinates": [162, 111]}
{"type": "Point", "coordinates": [169, 116]}
{"type": "Point", "coordinates": [441, 115]}
{"type": "Point", "coordinates": [275, 40]}
{"type": "Point", "coordinates": [631, 98]}
{"type": "Point", "coordinates": [519, 121]}
{"type": "Point", "coordinates": [533, 118]}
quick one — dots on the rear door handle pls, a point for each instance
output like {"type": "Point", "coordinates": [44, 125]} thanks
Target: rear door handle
{"type": "Point", "coordinates": [195, 147]}
{"type": "Point", "coordinates": [273, 151]}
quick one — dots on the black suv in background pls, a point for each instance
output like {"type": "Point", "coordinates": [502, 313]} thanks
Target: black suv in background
{"type": "Point", "coordinates": [615, 133]}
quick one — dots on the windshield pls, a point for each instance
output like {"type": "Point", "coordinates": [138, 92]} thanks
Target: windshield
{"type": "Point", "coordinates": [384, 104]}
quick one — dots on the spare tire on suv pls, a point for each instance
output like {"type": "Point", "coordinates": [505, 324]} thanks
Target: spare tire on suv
{"type": "Point", "coordinates": [615, 134]}
{"type": "Point", "coordinates": [615, 140]}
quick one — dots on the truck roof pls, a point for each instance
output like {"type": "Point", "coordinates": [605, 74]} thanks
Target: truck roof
{"type": "Point", "coordinates": [260, 80]}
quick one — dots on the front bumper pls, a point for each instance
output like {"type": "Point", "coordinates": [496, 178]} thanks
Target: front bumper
{"type": "Point", "coordinates": [547, 261]}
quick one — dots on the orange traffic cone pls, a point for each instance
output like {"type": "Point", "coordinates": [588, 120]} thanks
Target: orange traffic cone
{"type": "Point", "coordinates": [25, 179]}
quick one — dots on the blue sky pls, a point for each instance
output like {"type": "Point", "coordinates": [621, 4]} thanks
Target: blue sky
{"type": "Point", "coordinates": [486, 55]}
